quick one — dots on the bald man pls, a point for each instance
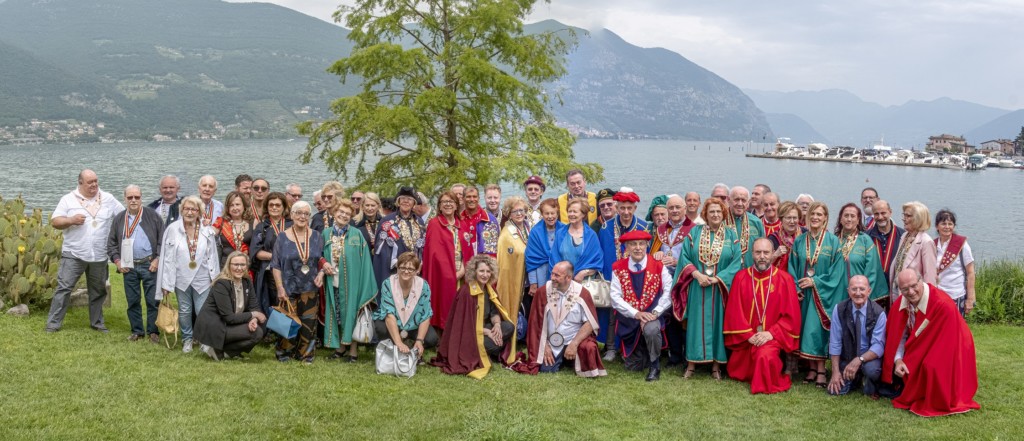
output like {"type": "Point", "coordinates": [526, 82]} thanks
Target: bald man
{"type": "Point", "coordinates": [857, 341]}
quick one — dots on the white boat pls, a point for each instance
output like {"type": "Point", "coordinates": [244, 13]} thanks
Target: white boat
{"type": "Point", "coordinates": [817, 149]}
{"type": "Point", "coordinates": [976, 161]}
{"type": "Point", "coordinates": [1007, 163]}
{"type": "Point", "coordinates": [783, 147]}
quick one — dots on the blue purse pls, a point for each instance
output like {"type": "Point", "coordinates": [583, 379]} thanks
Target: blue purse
{"type": "Point", "coordinates": [521, 325]}
{"type": "Point", "coordinates": [284, 322]}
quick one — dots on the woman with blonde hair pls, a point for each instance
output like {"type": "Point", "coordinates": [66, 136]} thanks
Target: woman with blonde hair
{"type": "Point", "coordinates": [917, 250]}
{"type": "Point", "coordinates": [231, 323]}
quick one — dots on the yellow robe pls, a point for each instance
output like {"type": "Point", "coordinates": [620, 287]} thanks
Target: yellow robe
{"type": "Point", "coordinates": [511, 271]}
{"type": "Point", "coordinates": [591, 200]}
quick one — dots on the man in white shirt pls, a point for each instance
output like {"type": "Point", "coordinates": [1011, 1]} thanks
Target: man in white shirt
{"type": "Point", "coordinates": [212, 208]}
{"type": "Point", "coordinates": [84, 216]}
{"type": "Point", "coordinates": [640, 291]}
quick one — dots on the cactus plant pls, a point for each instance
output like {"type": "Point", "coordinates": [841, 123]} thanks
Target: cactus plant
{"type": "Point", "coordinates": [29, 254]}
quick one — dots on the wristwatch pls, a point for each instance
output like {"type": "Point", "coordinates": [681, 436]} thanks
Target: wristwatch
{"type": "Point", "coordinates": [861, 358]}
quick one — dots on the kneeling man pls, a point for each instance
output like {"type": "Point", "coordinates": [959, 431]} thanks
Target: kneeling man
{"type": "Point", "coordinates": [934, 351]}
{"type": "Point", "coordinates": [641, 294]}
{"type": "Point", "coordinates": [857, 341]}
{"type": "Point", "coordinates": [762, 319]}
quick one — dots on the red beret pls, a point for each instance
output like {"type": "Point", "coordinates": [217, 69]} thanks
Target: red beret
{"type": "Point", "coordinates": [626, 196]}
{"type": "Point", "coordinates": [635, 235]}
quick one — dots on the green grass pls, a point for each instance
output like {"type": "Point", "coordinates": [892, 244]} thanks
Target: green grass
{"type": "Point", "coordinates": [80, 384]}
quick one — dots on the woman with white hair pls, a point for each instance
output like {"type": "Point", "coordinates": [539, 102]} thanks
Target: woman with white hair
{"type": "Point", "coordinates": [296, 265]}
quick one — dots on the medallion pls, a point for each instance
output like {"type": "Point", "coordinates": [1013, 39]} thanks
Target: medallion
{"type": "Point", "coordinates": [404, 334]}
{"type": "Point", "coordinates": [192, 264]}
{"type": "Point", "coordinates": [95, 223]}
{"type": "Point", "coordinates": [760, 328]}
{"type": "Point", "coordinates": [709, 271]}
{"type": "Point", "coordinates": [556, 339]}
{"type": "Point", "coordinates": [810, 272]}
{"type": "Point", "coordinates": [305, 269]}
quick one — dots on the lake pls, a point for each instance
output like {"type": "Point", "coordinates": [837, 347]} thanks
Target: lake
{"type": "Point", "coordinates": [44, 173]}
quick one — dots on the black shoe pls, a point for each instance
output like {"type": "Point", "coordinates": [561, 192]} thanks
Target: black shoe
{"type": "Point", "coordinates": [655, 373]}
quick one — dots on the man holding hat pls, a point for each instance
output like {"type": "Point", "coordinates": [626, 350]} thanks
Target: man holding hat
{"type": "Point", "coordinates": [534, 188]}
{"type": "Point", "coordinates": [577, 185]}
{"type": "Point", "coordinates": [640, 287]}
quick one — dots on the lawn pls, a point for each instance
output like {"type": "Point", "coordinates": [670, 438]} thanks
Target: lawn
{"type": "Point", "coordinates": [81, 384]}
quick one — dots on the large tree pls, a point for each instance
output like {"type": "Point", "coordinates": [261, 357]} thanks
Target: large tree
{"type": "Point", "coordinates": [451, 91]}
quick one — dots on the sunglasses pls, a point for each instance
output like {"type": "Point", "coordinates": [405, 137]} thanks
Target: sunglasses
{"type": "Point", "coordinates": [260, 188]}
{"type": "Point", "coordinates": [133, 198]}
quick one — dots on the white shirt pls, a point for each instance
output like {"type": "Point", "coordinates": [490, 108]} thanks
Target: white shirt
{"type": "Point", "coordinates": [570, 326]}
{"type": "Point", "coordinates": [174, 272]}
{"type": "Point", "coordinates": [218, 209]}
{"type": "Point", "coordinates": [951, 280]}
{"type": "Point", "coordinates": [535, 216]}
{"type": "Point", "coordinates": [87, 242]}
{"type": "Point", "coordinates": [624, 308]}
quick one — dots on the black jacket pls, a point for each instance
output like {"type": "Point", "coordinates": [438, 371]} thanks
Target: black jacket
{"type": "Point", "coordinates": [219, 312]}
{"type": "Point", "coordinates": [151, 224]}
{"type": "Point", "coordinates": [172, 214]}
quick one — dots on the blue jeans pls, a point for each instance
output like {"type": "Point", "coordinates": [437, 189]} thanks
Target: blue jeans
{"type": "Point", "coordinates": [133, 279]}
{"type": "Point", "coordinates": [550, 369]}
{"type": "Point", "coordinates": [188, 301]}
{"type": "Point", "coordinates": [869, 373]}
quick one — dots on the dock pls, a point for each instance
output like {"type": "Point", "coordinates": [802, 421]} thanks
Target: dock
{"type": "Point", "coordinates": [855, 161]}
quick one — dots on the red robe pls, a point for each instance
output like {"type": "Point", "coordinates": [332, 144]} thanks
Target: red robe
{"type": "Point", "coordinates": [461, 351]}
{"type": "Point", "coordinates": [939, 353]}
{"type": "Point", "coordinates": [588, 356]}
{"type": "Point", "coordinates": [439, 268]}
{"type": "Point", "coordinates": [771, 227]}
{"type": "Point", "coordinates": [775, 295]}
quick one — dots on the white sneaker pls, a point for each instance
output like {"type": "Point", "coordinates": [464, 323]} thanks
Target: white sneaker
{"type": "Point", "coordinates": [609, 355]}
{"type": "Point", "coordinates": [209, 351]}
{"type": "Point", "coordinates": [186, 347]}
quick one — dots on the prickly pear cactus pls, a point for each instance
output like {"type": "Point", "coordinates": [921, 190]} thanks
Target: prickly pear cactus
{"type": "Point", "coordinates": [29, 254]}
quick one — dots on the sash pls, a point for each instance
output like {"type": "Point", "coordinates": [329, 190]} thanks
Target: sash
{"type": "Point", "coordinates": [890, 250]}
{"type": "Point", "coordinates": [956, 244]}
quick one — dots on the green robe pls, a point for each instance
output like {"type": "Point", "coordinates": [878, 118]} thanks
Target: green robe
{"type": "Point", "coordinates": [756, 232]}
{"type": "Point", "coordinates": [863, 261]}
{"type": "Point", "coordinates": [357, 287]}
{"type": "Point", "coordinates": [829, 289]}
{"type": "Point", "coordinates": [705, 306]}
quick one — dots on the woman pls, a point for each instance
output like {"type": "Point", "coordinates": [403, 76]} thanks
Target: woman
{"type": "Point", "coordinates": [816, 264]}
{"type": "Point", "coordinates": [709, 258]}
{"type": "Point", "coordinates": [578, 244]}
{"type": "Point", "coordinates": [405, 311]}
{"type": "Point", "coordinates": [296, 265]}
{"type": "Point", "coordinates": [955, 262]}
{"type": "Point", "coordinates": [231, 323]}
{"type": "Point", "coordinates": [188, 264]}
{"type": "Point", "coordinates": [258, 199]}
{"type": "Point", "coordinates": [512, 256]}
{"type": "Point", "coordinates": [917, 250]}
{"type": "Point", "coordinates": [859, 252]}
{"type": "Point", "coordinates": [444, 252]}
{"type": "Point", "coordinates": [540, 244]}
{"type": "Point", "coordinates": [352, 284]}
{"type": "Point", "coordinates": [235, 227]}
{"type": "Point", "coordinates": [397, 233]}
{"type": "Point", "coordinates": [262, 246]}
{"type": "Point", "coordinates": [782, 240]}
{"type": "Point", "coordinates": [368, 218]}
{"type": "Point", "coordinates": [331, 193]}
{"type": "Point", "coordinates": [478, 325]}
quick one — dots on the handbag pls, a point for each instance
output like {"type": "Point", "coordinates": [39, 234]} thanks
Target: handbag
{"type": "Point", "coordinates": [167, 321]}
{"type": "Point", "coordinates": [362, 332]}
{"type": "Point", "coordinates": [600, 291]}
{"type": "Point", "coordinates": [389, 360]}
{"type": "Point", "coordinates": [284, 322]}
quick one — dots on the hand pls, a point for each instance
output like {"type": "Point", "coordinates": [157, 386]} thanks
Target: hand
{"type": "Point", "coordinates": [319, 280]}
{"type": "Point", "coordinates": [330, 270]}
{"type": "Point", "coordinates": [570, 351]}
{"type": "Point", "coordinates": [253, 325]}
{"type": "Point", "coordinates": [644, 317]}
{"type": "Point", "coordinates": [120, 269]}
{"type": "Point", "coordinates": [579, 278]}
{"type": "Point", "coordinates": [549, 356]}
{"type": "Point", "coordinates": [805, 283]}
{"type": "Point", "coordinates": [402, 347]}
{"type": "Point", "coordinates": [783, 250]}
{"type": "Point", "coordinates": [668, 261]}
{"type": "Point", "coordinates": [78, 219]}
{"type": "Point", "coordinates": [969, 306]}
{"type": "Point", "coordinates": [836, 384]}
{"type": "Point", "coordinates": [496, 336]}
{"type": "Point", "coordinates": [851, 369]}
{"type": "Point", "coordinates": [901, 369]}
{"type": "Point", "coordinates": [154, 265]}
{"type": "Point", "coordinates": [760, 338]}
{"type": "Point", "coordinates": [703, 280]}
{"type": "Point", "coordinates": [533, 288]}
{"type": "Point", "coordinates": [282, 297]}
{"type": "Point", "coordinates": [658, 255]}
{"type": "Point", "coordinates": [460, 274]}
{"type": "Point", "coordinates": [259, 317]}
{"type": "Point", "coordinates": [418, 346]}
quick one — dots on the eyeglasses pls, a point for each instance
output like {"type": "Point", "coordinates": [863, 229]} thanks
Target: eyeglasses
{"type": "Point", "coordinates": [355, 199]}
{"type": "Point", "coordinates": [260, 188]}
{"type": "Point", "coordinates": [301, 214]}
{"type": "Point", "coordinates": [327, 197]}
{"type": "Point", "coordinates": [407, 269]}
{"type": "Point", "coordinates": [519, 211]}
{"type": "Point", "coordinates": [610, 204]}
{"type": "Point", "coordinates": [189, 210]}
{"type": "Point", "coordinates": [447, 202]}
{"type": "Point", "coordinates": [239, 265]}
{"type": "Point", "coordinates": [296, 196]}
{"type": "Point", "coordinates": [133, 198]}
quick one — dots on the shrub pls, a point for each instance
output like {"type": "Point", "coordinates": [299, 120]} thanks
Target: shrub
{"type": "Point", "coordinates": [999, 290]}
{"type": "Point", "coordinates": [29, 254]}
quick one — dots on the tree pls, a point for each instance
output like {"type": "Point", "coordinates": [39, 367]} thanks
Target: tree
{"type": "Point", "coordinates": [1018, 144]}
{"type": "Point", "coordinates": [451, 91]}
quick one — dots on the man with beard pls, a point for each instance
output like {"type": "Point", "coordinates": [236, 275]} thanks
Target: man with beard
{"type": "Point", "coordinates": [868, 196]}
{"type": "Point", "coordinates": [762, 319]}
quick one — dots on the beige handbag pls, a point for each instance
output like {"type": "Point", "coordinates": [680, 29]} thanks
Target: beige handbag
{"type": "Point", "coordinates": [600, 291]}
{"type": "Point", "coordinates": [167, 321]}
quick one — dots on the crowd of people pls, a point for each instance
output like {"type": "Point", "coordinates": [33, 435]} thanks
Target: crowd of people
{"type": "Point", "coordinates": [743, 284]}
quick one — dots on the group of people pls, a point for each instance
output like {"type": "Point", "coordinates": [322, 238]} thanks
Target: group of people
{"type": "Point", "coordinates": [751, 286]}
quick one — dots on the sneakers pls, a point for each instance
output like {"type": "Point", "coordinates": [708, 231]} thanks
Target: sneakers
{"type": "Point", "coordinates": [186, 347]}
{"type": "Point", "coordinates": [609, 355]}
{"type": "Point", "coordinates": [208, 350]}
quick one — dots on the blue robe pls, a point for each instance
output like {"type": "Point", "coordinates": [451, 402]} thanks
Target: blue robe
{"type": "Point", "coordinates": [607, 238]}
{"type": "Point", "coordinates": [538, 252]}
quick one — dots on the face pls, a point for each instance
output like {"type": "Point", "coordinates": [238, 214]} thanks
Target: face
{"type": "Point", "coordinates": [405, 204]}
{"type": "Point", "coordinates": [534, 192]}
{"type": "Point", "coordinates": [849, 219]}
{"type": "Point", "coordinates": [133, 199]}
{"type": "Point", "coordinates": [945, 228]}
{"type": "Point", "coordinates": [867, 200]}
{"type": "Point", "coordinates": [560, 277]}
{"type": "Point", "coordinates": [207, 188]}
{"type": "Point", "coordinates": [370, 207]}
{"type": "Point", "coordinates": [460, 192]}
{"type": "Point", "coordinates": [318, 202]}
{"type": "Point", "coordinates": [236, 209]}
{"type": "Point", "coordinates": [791, 221]}
{"type": "Point", "coordinates": [882, 214]}
{"type": "Point", "coordinates": [607, 208]}
{"type": "Point", "coordinates": [577, 185]}
{"type": "Point", "coordinates": [342, 215]}
{"type": "Point", "coordinates": [804, 204]}
{"type": "Point", "coordinates": [574, 214]}
{"type": "Point", "coordinates": [910, 287]}
{"type": "Point", "coordinates": [295, 194]}
{"type": "Point", "coordinates": [762, 255]}
{"type": "Point", "coordinates": [720, 193]}
{"type": "Point", "coordinates": [715, 215]}
{"type": "Point", "coordinates": [239, 266]}
{"type": "Point", "coordinates": [245, 187]}
{"type": "Point", "coordinates": [771, 207]}
{"type": "Point", "coordinates": [755, 197]}
{"type": "Point", "coordinates": [550, 215]}
{"type": "Point", "coordinates": [660, 215]}
{"type": "Point", "coordinates": [859, 291]}
{"type": "Point", "coordinates": [300, 217]}
{"type": "Point", "coordinates": [89, 184]}
{"type": "Point", "coordinates": [447, 206]}
{"type": "Point", "coordinates": [676, 209]}
{"type": "Point", "coordinates": [168, 189]}
{"type": "Point", "coordinates": [483, 273]}
{"type": "Point", "coordinates": [472, 200]}
{"type": "Point", "coordinates": [626, 210]}
{"type": "Point", "coordinates": [908, 219]}
{"type": "Point", "coordinates": [189, 212]}
{"type": "Point", "coordinates": [406, 271]}
{"type": "Point", "coordinates": [356, 198]}
{"type": "Point", "coordinates": [260, 189]}
{"type": "Point", "coordinates": [637, 249]}
{"type": "Point", "coordinates": [738, 203]}
{"type": "Point", "coordinates": [275, 208]}
{"type": "Point", "coordinates": [816, 219]}
{"type": "Point", "coordinates": [518, 213]}
{"type": "Point", "coordinates": [493, 199]}
{"type": "Point", "coordinates": [692, 201]}
{"type": "Point", "coordinates": [328, 198]}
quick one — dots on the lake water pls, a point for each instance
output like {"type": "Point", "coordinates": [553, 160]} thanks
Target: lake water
{"type": "Point", "coordinates": [988, 203]}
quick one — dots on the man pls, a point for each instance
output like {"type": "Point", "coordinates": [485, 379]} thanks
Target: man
{"type": "Point", "coordinates": [669, 240]}
{"type": "Point", "coordinates": [212, 208]}
{"type": "Point", "coordinates": [762, 320]}
{"type": "Point", "coordinates": [318, 201]}
{"type": "Point", "coordinates": [167, 204]}
{"type": "Point", "coordinates": [756, 205]}
{"type": "Point", "coordinates": [868, 196]}
{"type": "Point", "coordinates": [260, 190]}
{"type": "Point", "coordinates": [747, 226]}
{"type": "Point", "coordinates": [720, 191]}
{"type": "Point", "coordinates": [804, 202]}
{"type": "Point", "coordinates": [770, 219]}
{"type": "Point", "coordinates": [534, 188]}
{"type": "Point", "coordinates": [692, 200]}
{"type": "Point", "coordinates": [294, 192]}
{"type": "Point", "coordinates": [934, 351]}
{"type": "Point", "coordinates": [243, 184]}
{"type": "Point", "coordinates": [492, 199]}
{"type": "Point", "coordinates": [623, 222]}
{"type": "Point", "coordinates": [567, 328]}
{"type": "Point", "coordinates": [605, 209]}
{"type": "Point", "coordinates": [640, 288]}
{"type": "Point", "coordinates": [460, 192]}
{"type": "Point", "coordinates": [133, 244]}
{"type": "Point", "coordinates": [422, 208]}
{"type": "Point", "coordinates": [479, 228]}
{"type": "Point", "coordinates": [357, 201]}
{"type": "Point", "coordinates": [886, 236]}
{"type": "Point", "coordinates": [577, 185]}
{"type": "Point", "coordinates": [84, 216]}
{"type": "Point", "coordinates": [856, 341]}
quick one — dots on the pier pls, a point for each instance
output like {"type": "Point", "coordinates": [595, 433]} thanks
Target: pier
{"type": "Point", "coordinates": [855, 161]}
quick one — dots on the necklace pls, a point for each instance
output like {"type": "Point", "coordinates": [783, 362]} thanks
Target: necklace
{"type": "Point", "coordinates": [193, 245]}
{"type": "Point", "coordinates": [849, 241]}
{"type": "Point", "coordinates": [303, 248]}
{"type": "Point", "coordinates": [743, 232]}
{"type": "Point", "coordinates": [710, 252]}
{"type": "Point", "coordinates": [813, 260]}
{"type": "Point", "coordinates": [762, 312]}
{"type": "Point", "coordinates": [89, 208]}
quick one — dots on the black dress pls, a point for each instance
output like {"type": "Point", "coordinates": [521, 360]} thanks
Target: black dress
{"type": "Point", "coordinates": [263, 239]}
{"type": "Point", "coordinates": [220, 327]}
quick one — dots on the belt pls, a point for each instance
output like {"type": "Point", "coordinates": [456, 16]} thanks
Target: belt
{"type": "Point", "coordinates": [146, 259]}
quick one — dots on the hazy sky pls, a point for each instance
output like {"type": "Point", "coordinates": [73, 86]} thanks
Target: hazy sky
{"type": "Point", "coordinates": [885, 51]}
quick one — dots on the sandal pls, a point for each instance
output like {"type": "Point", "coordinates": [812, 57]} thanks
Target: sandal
{"type": "Point", "coordinates": [716, 374]}
{"type": "Point", "coordinates": [336, 355]}
{"type": "Point", "coordinates": [811, 375]}
{"type": "Point", "coordinates": [688, 373]}
{"type": "Point", "coordinates": [822, 383]}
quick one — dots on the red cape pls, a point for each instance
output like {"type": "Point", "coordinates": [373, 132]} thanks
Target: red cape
{"type": "Point", "coordinates": [588, 357]}
{"type": "Point", "coordinates": [461, 344]}
{"type": "Point", "coordinates": [939, 352]}
{"type": "Point", "coordinates": [761, 365]}
{"type": "Point", "coordinates": [439, 269]}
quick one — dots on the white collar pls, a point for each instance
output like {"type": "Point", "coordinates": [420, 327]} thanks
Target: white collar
{"type": "Point", "coordinates": [922, 305]}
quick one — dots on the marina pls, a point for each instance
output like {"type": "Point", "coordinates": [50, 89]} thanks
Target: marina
{"type": "Point", "coordinates": [881, 154]}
